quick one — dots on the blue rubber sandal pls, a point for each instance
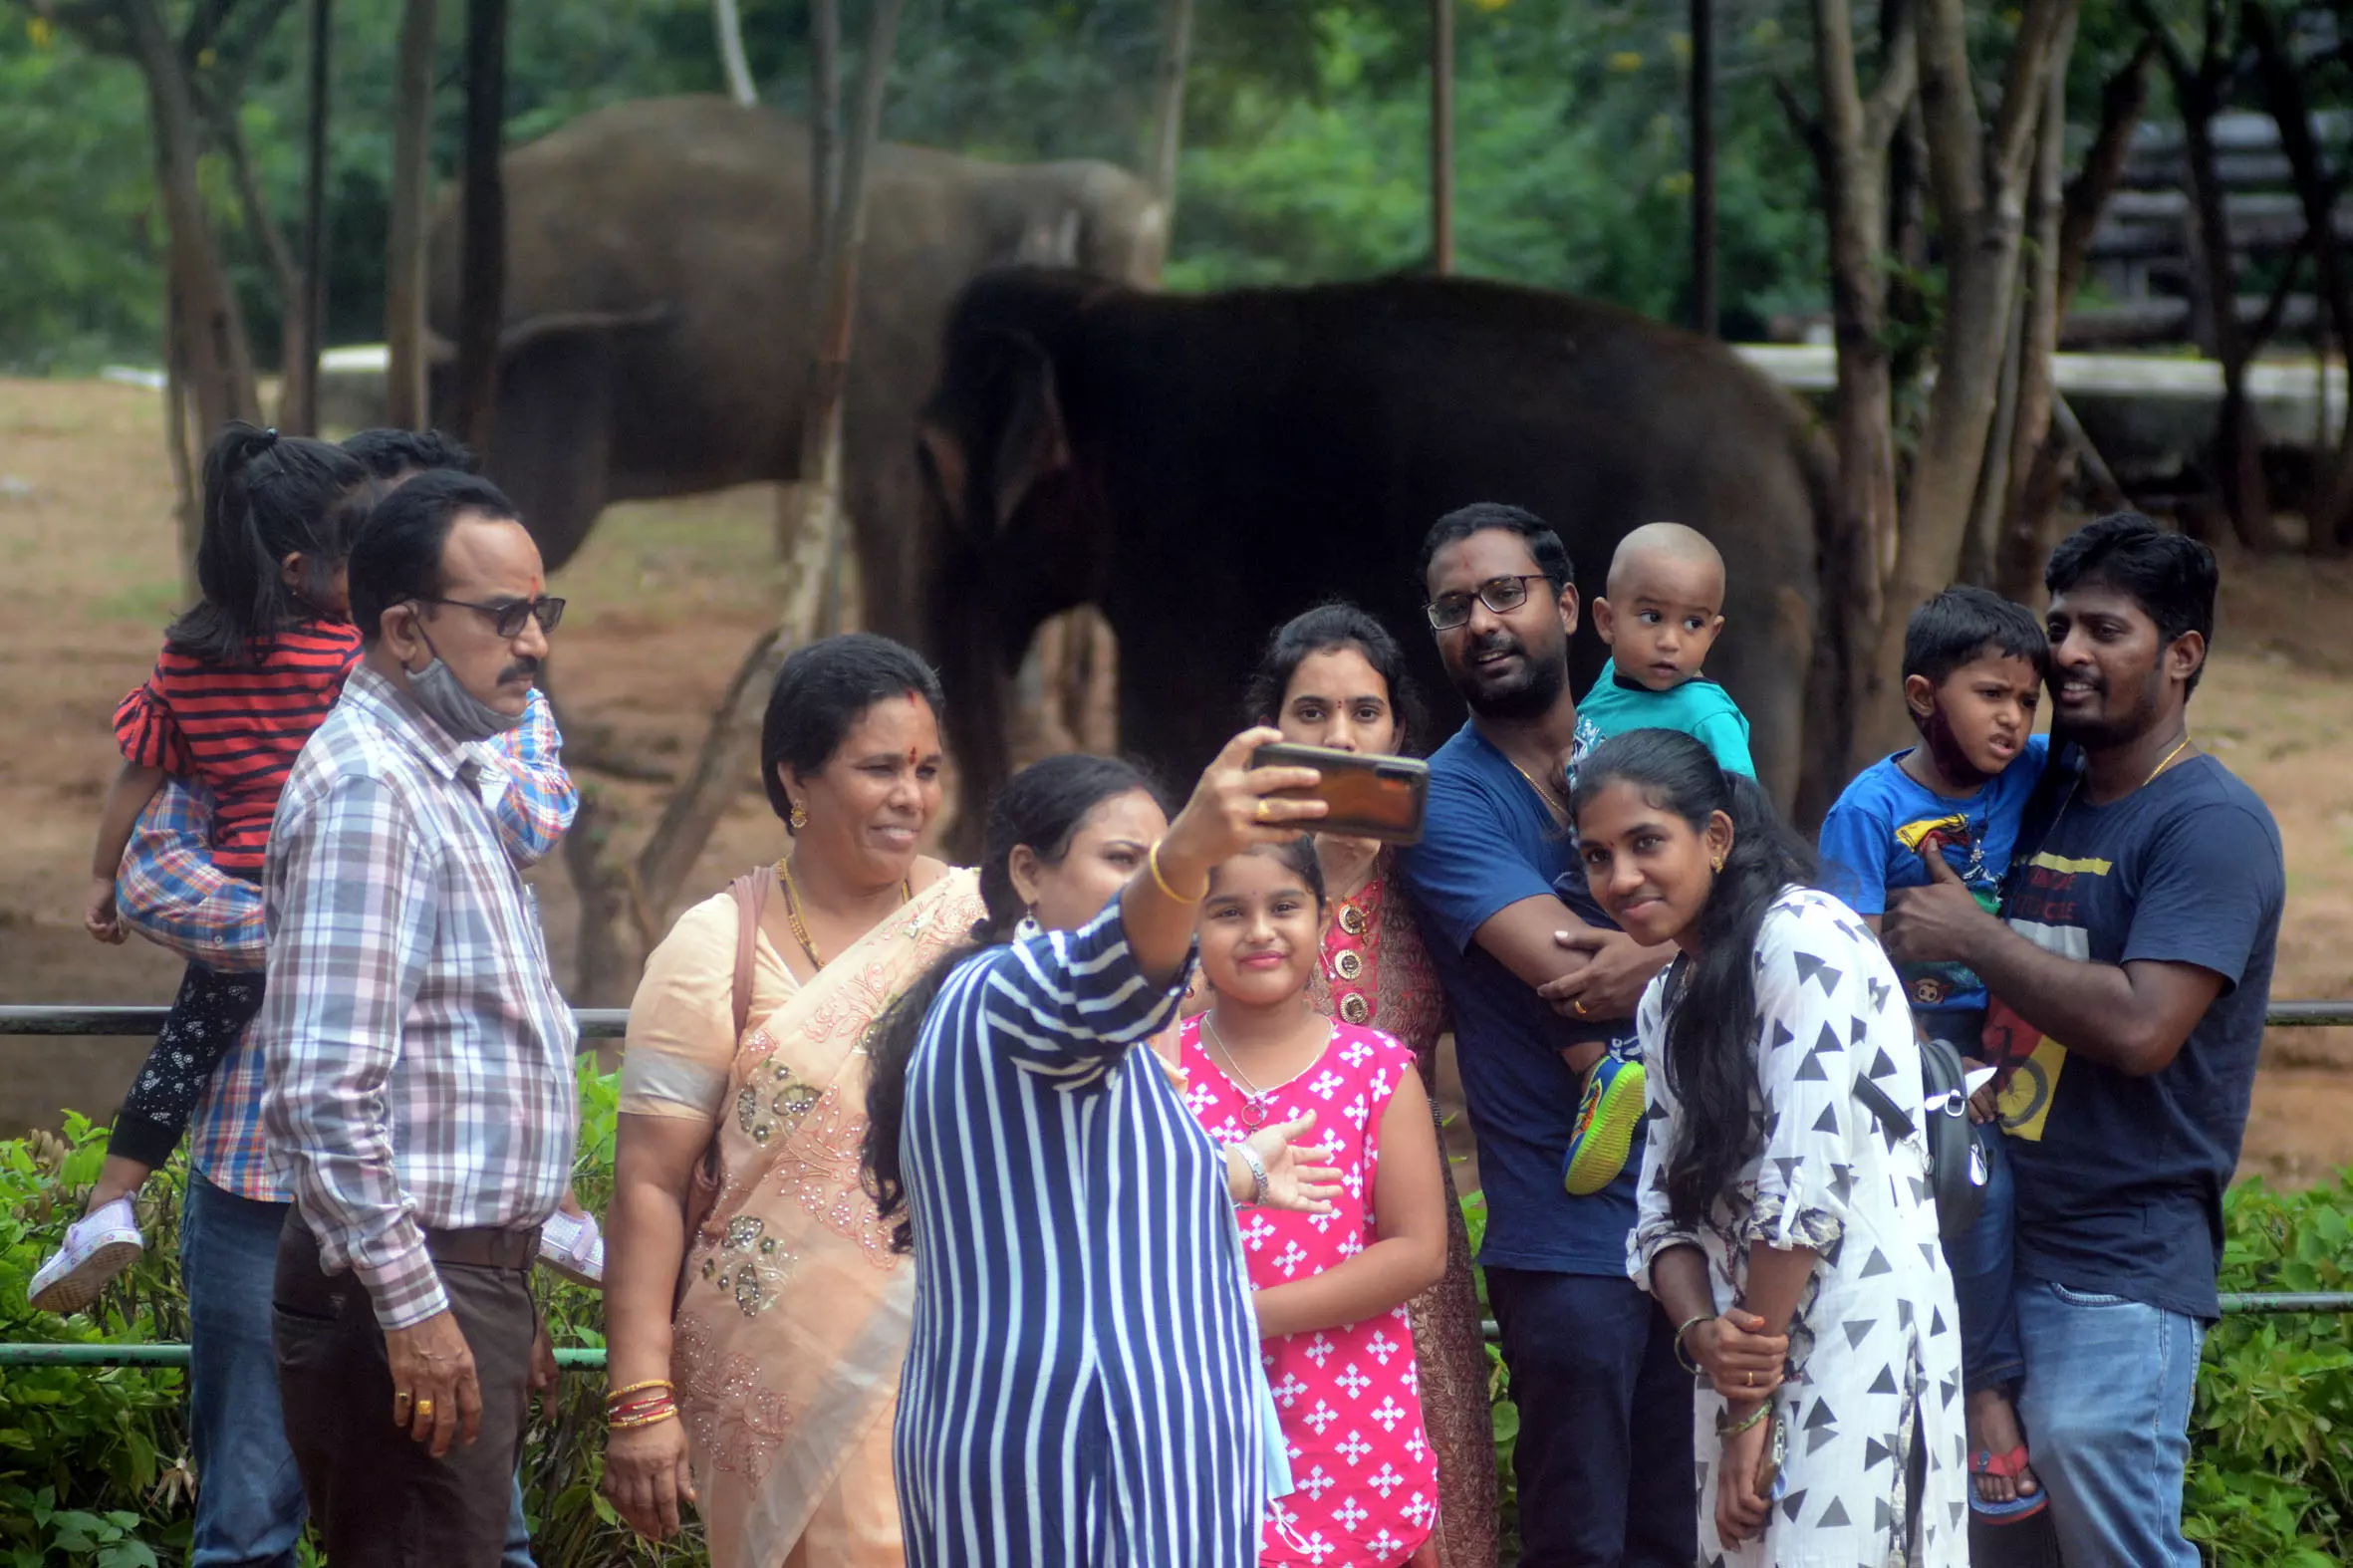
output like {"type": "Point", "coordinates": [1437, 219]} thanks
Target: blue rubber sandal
{"type": "Point", "coordinates": [1986, 1462]}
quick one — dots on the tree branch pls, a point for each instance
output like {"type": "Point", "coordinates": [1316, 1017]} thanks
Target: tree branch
{"type": "Point", "coordinates": [1899, 80]}
{"type": "Point", "coordinates": [1808, 129]}
{"type": "Point", "coordinates": [1948, 106]}
{"type": "Point", "coordinates": [2122, 99]}
{"type": "Point", "coordinates": [2031, 63]}
{"type": "Point", "coordinates": [2177, 64]}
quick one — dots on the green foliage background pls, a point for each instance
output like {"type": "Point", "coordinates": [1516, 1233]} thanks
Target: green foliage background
{"type": "Point", "coordinates": [94, 1470]}
{"type": "Point", "coordinates": [1306, 133]}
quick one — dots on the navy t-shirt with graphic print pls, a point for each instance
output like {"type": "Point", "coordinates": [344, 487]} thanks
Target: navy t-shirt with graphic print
{"type": "Point", "coordinates": [1488, 841]}
{"type": "Point", "coordinates": [2119, 1179]}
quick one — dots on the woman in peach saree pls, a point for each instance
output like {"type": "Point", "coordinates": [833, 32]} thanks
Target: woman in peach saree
{"type": "Point", "coordinates": [775, 1330]}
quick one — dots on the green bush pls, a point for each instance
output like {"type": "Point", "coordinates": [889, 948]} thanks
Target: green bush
{"type": "Point", "coordinates": [94, 1465]}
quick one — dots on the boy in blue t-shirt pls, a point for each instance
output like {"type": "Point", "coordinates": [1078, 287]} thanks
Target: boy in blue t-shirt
{"type": "Point", "coordinates": [1662, 613]}
{"type": "Point", "coordinates": [1973, 669]}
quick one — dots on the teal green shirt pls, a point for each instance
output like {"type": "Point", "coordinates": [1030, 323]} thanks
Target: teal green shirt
{"type": "Point", "coordinates": [1698, 707]}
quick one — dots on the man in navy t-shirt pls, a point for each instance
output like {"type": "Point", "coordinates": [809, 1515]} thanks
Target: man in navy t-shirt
{"type": "Point", "coordinates": [1604, 1454]}
{"type": "Point", "coordinates": [2135, 965]}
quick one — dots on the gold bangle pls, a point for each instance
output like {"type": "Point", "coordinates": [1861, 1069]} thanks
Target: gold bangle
{"type": "Point", "coordinates": [1152, 863]}
{"type": "Point", "coordinates": [1681, 1353]}
{"type": "Point", "coordinates": [1746, 1422]}
{"type": "Point", "coordinates": [616, 1396]}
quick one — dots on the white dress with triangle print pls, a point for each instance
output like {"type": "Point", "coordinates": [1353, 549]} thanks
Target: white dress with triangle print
{"type": "Point", "coordinates": [1877, 1342]}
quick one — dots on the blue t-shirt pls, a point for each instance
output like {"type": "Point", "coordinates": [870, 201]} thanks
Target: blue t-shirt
{"type": "Point", "coordinates": [2119, 1179]}
{"type": "Point", "coordinates": [1869, 849]}
{"type": "Point", "coordinates": [1487, 842]}
{"type": "Point", "coordinates": [1698, 709]}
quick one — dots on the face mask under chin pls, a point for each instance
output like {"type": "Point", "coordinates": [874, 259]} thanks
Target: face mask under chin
{"type": "Point", "coordinates": [445, 697]}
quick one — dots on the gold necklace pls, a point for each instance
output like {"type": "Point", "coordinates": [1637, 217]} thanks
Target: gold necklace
{"type": "Point", "coordinates": [792, 907]}
{"type": "Point", "coordinates": [2168, 762]}
{"type": "Point", "coordinates": [1552, 803]}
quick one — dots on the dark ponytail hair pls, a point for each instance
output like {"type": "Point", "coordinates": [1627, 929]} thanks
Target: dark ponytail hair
{"type": "Point", "coordinates": [1335, 623]}
{"type": "Point", "coordinates": [1042, 806]}
{"type": "Point", "coordinates": [1711, 1020]}
{"type": "Point", "coordinates": [266, 496]}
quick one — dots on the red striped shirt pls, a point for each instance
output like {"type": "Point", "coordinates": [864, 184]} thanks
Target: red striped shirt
{"type": "Point", "coordinates": [238, 731]}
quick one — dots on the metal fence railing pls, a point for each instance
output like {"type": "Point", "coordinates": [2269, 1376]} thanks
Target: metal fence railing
{"type": "Point", "coordinates": [608, 1023]}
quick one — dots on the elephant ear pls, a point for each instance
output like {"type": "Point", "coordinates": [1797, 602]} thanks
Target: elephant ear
{"type": "Point", "coordinates": [1011, 422]}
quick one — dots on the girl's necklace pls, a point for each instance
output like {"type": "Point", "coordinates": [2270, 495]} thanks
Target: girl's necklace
{"type": "Point", "coordinates": [1255, 1099]}
{"type": "Point", "coordinates": [792, 907]}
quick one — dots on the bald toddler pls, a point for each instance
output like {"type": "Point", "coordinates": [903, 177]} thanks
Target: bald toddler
{"type": "Point", "coordinates": [1663, 610]}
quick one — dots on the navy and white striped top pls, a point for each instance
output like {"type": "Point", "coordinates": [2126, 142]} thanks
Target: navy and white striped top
{"type": "Point", "coordinates": [1078, 1387]}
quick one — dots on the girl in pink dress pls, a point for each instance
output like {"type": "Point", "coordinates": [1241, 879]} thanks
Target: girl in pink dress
{"type": "Point", "coordinates": [1331, 1289]}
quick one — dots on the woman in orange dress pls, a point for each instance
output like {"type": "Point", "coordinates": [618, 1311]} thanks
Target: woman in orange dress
{"type": "Point", "coordinates": [1334, 676]}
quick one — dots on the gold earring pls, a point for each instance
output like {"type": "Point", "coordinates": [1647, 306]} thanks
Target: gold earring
{"type": "Point", "coordinates": [799, 818]}
{"type": "Point", "coordinates": [1715, 862]}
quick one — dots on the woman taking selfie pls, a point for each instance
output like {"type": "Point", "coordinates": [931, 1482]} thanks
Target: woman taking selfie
{"type": "Point", "coordinates": [1334, 676]}
{"type": "Point", "coordinates": [1785, 1230]}
{"type": "Point", "coordinates": [757, 1313]}
{"type": "Point", "coordinates": [1080, 1387]}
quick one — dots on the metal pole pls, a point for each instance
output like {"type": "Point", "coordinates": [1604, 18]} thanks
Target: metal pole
{"type": "Point", "coordinates": [1442, 136]}
{"type": "Point", "coordinates": [1704, 313]}
{"type": "Point", "coordinates": [312, 308]}
{"type": "Point", "coordinates": [482, 248]}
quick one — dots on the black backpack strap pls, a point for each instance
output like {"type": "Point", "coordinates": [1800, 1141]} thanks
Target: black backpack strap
{"type": "Point", "coordinates": [1883, 1105]}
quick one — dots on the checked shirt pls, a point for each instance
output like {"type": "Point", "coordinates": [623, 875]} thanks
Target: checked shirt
{"type": "Point", "coordinates": [417, 1056]}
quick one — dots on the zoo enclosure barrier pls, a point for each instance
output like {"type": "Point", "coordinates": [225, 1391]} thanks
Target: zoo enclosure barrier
{"type": "Point", "coordinates": [608, 1024]}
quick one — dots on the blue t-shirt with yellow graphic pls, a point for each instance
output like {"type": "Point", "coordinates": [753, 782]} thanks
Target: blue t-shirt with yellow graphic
{"type": "Point", "coordinates": [2119, 1179]}
{"type": "Point", "coordinates": [1871, 848]}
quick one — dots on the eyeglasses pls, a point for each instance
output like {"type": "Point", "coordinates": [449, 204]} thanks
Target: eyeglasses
{"type": "Point", "coordinates": [1499, 593]}
{"type": "Point", "coordinates": [508, 615]}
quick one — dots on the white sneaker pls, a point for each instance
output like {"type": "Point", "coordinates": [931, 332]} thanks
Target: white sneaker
{"type": "Point", "coordinates": [99, 1245]}
{"type": "Point", "coordinates": [572, 1246]}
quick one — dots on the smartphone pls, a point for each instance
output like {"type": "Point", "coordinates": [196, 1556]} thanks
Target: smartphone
{"type": "Point", "coordinates": [1370, 796]}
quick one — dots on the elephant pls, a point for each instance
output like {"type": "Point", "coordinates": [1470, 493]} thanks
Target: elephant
{"type": "Point", "coordinates": [660, 309]}
{"type": "Point", "coordinates": [1203, 467]}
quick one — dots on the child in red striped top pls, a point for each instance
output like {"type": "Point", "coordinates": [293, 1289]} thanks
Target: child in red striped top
{"type": "Point", "coordinates": [245, 677]}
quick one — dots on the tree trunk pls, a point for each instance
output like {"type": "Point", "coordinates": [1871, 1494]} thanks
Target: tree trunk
{"type": "Point", "coordinates": [186, 511]}
{"type": "Point", "coordinates": [1851, 145]}
{"type": "Point", "coordinates": [1975, 567]}
{"type": "Point", "coordinates": [825, 189]}
{"type": "Point", "coordinates": [483, 245]}
{"type": "Point", "coordinates": [406, 238]}
{"type": "Point", "coordinates": [2329, 527]}
{"type": "Point", "coordinates": [2238, 439]}
{"type": "Point", "coordinates": [723, 766]}
{"type": "Point", "coordinates": [1442, 136]}
{"type": "Point", "coordinates": [267, 237]}
{"type": "Point", "coordinates": [729, 26]}
{"type": "Point", "coordinates": [1166, 137]}
{"type": "Point", "coordinates": [298, 398]}
{"type": "Point", "coordinates": [1703, 112]}
{"type": "Point", "coordinates": [220, 359]}
{"type": "Point", "coordinates": [1976, 174]}
{"type": "Point", "coordinates": [2018, 552]}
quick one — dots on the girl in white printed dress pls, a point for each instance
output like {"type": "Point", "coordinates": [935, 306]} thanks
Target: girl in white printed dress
{"type": "Point", "coordinates": [1330, 1289]}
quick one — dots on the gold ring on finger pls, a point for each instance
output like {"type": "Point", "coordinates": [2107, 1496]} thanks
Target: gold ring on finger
{"type": "Point", "coordinates": [424, 1407]}
{"type": "Point", "coordinates": [1578, 1008]}
{"type": "Point", "coordinates": [1753, 1380]}
{"type": "Point", "coordinates": [1262, 812]}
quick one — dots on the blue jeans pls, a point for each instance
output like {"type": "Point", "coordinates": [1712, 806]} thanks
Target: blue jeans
{"type": "Point", "coordinates": [1604, 1457]}
{"type": "Point", "coordinates": [249, 1506]}
{"type": "Point", "coordinates": [1980, 1257]}
{"type": "Point", "coordinates": [2106, 1404]}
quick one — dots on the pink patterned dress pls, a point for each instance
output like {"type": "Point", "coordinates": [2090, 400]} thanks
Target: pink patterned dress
{"type": "Point", "coordinates": [1364, 1472]}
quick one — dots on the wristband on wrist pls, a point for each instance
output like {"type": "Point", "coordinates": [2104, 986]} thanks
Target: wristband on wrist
{"type": "Point", "coordinates": [1257, 1169]}
{"type": "Point", "coordinates": [1681, 1354]}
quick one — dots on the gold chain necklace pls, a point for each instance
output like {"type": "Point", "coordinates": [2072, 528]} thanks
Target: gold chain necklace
{"type": "Point", "coordinates": [1552, 803]}
{"type": "Point", "coordinates": [2077, 782]}
{"type": "Point", "coordinates": [792, 907]}
{"type": "Point", "coordinates": [2168, 762]}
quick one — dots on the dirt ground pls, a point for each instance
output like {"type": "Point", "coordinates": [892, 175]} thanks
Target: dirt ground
{"type": "Point", "coordinates": [665, 599]}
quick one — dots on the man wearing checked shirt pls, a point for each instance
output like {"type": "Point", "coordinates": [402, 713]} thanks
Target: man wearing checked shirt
{"type": "Point", "coordinates": [417, 1090]}
{"type": "Point", "coordinates": [249, 1510]}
